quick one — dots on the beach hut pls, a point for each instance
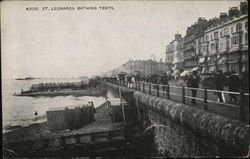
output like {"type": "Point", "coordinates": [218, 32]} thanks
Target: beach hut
{"type": "Point", "coordinates": [71, 117]}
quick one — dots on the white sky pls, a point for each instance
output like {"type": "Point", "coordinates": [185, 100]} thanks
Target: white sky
{"type": "Point", "coordinates": [75, 43]}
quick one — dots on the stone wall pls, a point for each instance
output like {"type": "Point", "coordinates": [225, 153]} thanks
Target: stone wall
{"type": "Point", "coordinates": [184, 131]}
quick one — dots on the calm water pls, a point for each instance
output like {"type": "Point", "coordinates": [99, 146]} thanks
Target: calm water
{"type": "Point", "coordinates": [20, 110]}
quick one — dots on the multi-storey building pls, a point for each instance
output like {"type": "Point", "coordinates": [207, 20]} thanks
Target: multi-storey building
{"type": "Point", "coordinates": [143, 67]}
{"type": "Point", "coordinates": [225, 46]}
{"type": "Point", "coordinates": [190, 55]}
{"type": "Point", "coordinates": [201, 52]}
{"type": "Point", "coordinates": [169, 56]}
{"type": "Point", "coordinates": [177, 54]}
{"type": "Point", "coordinates": [218, 44]}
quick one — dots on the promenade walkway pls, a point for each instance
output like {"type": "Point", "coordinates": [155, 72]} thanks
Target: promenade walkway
{"type": "Point", "coordinates": [206, 99]}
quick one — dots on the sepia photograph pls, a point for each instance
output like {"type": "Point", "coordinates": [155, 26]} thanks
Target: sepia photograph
{"type": "Point", "coordinates": [125, 79]}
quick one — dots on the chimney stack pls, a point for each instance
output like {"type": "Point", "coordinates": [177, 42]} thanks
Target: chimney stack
{"type": "Point", "coordinates": [234, 12]}
{"type": "Point", "coordinates": [223, 16]}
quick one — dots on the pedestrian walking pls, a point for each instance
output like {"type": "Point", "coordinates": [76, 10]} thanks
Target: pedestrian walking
{"type": "Point", "coordinates": [244, 81]}
{"type": "Point", "coordinates": [93, 107]}
{"type": "Point", "coordinates": [164, 81]}
{"type": "Point", "coordinates": [129, 81]}
{"type": "Point", "coordinates": [133, 82]}
{"type": "Point", "coordinates": [234, 83]}
{"type": "Point", "coordinates": [193, 82]}
{"type": "Point", "coordinates": [36, 114]}
{"type": "Point", "coordinates": [219, 85]}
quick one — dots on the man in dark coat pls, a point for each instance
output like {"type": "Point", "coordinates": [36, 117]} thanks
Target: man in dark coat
{"type": "Point", "coordinates": [164, 81]}
{"type": "Point", "coordinates": [219, 83]}
{"type": "Point", "coordinates": [233, 83]}
{"type": "Point", "coordinates": [244, 81]}
{"type": "Point", "coordinates": [193, 82]}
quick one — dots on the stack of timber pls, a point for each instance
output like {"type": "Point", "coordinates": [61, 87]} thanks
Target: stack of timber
{"type": "Point", "coordinates": [106, 143]}
{"type": "Point", "coordinates": [62, 118]}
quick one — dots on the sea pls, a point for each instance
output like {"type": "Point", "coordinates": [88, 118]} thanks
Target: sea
{"type": "Point", "coordinates": [20, 110]}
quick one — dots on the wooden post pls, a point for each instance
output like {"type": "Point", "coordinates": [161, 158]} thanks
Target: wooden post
{"type": "Point", "coordinates": [62, 141]}
{"type": "Point", "coordinates": [143, 87]}
{"type": "Point", "coordinates": [157, 89]}
{"type": "Point", "coordinates": [205, 99]}
{"type": "Point", "coordinates": [183, 94]}
{"type": "Point", "coordinates": [168, 91]}
{"type": "Point", "coordinates": [149, 88]}
{"type": "Point", "coordinates": [92, 137]}
{"type": "Point", "coordinates": [242, 107]}
{"type": "Point", "coordinates": [108, 135]}
{"type": "Point", "coordinates": [78, 138]}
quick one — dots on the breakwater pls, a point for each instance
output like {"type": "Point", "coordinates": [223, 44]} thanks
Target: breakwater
{"type": "Point", "coordinates": [93, 91]}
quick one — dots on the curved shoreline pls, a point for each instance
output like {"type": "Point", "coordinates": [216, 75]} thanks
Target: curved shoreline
{"type": "Point", "coordinates": [38, 131]}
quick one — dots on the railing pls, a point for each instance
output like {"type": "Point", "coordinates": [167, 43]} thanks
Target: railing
{"type": "Point", "coordinates": [204, 97]}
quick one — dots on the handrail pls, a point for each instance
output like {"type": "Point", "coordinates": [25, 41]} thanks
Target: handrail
{"type": "Point", "coordinates": [200, 89]}
{"type": "Point", "coordinates": [149, 89]}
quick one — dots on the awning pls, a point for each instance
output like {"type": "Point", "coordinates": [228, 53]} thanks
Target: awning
{"type": "Point", "coordinates": [203, 70]}
{"type": "Point", "coordinates": [202, 60]}
{"type": "Point", "coordinates": [211, 69]}
{"type": "Point", "coordinates": [208, 59]}
{"type": "Point", "coordinates": [194, 69]}
{"type": "Point", "coordinates": [175, 72]}
{"type": "Point", "coordinates": [184, 73]}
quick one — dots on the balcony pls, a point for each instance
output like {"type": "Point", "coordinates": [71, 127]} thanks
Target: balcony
{"type": "Point", "coordinates": [189, 48]}
{"type": "Point", "coordinates": [215, 39]}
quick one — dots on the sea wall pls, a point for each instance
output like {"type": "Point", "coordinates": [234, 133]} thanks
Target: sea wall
{"type": "Point", "coordinates": [181, 130]}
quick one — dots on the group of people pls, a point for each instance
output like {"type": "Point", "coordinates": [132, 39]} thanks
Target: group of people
{"type": "Point", "coordinates": [233, 81]}
{"type": "Point", "coordinates": [220, 80]}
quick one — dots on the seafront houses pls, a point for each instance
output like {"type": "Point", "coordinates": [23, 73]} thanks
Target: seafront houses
{"type": "Point", "coordinates": [177, 53]}
{"type": "Point", "coordinates": [143, 67]}
{"type": "Point", "coordinates": [227, 45]}
{"type": "Point", "coordinates": [217, 44]}
{"type": "Point", "coordinates": [208, 45]}
{"type": "Point", "coordinates": [169, 57]}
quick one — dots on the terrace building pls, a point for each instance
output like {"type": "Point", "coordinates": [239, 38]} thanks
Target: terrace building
{"type": "Point", "coordinates": [225, 46]}
{"type": "Point", "coordinates": [143, 67]}
{"type": "Point", "coordinates": [169, 57]}
{"type": "Point", "coordinates": [190, 54]}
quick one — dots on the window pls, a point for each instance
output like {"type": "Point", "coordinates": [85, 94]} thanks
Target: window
{"type": "Point", "coordinates": [213, 47]}
{"type": "Point", "coordinates": [246, 38]}
{"type": "Point", "coordinates": [216, 35]}
{"type": "Point", "coordinates": [207, 38]}
{"type": "Point", "coordinates": [246, 24]}
{"type": "Point", "coordinates": [220, 33]}
{"type": "Point", "coordinates": [235, 40]}
{"type": "Point", "coordinates": [232, 29]}
{"type": "Point", "coordinates": [226, 31]}
{"type": "Point", "coordinates": [239, 27]}
{"type": "Point", "coordinates": [211, 36]}
{"type": "Point", "coordinates": [223, 44]}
